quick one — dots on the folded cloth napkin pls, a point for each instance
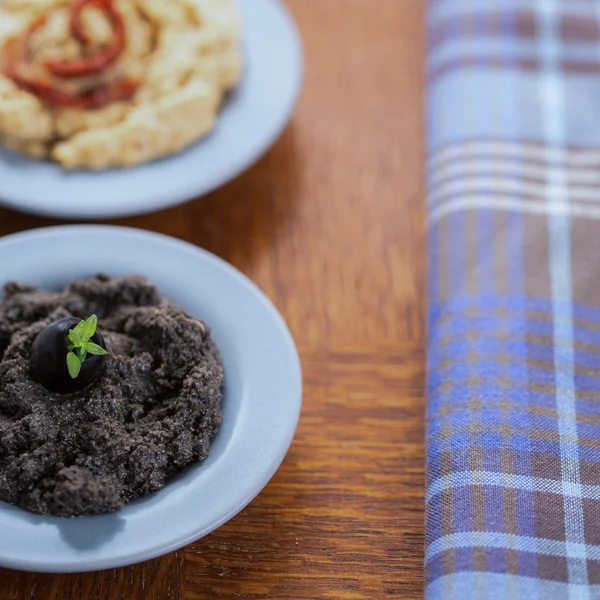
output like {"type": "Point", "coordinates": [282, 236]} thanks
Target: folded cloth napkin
{"type": "Point", "coordinates": [513, 488]}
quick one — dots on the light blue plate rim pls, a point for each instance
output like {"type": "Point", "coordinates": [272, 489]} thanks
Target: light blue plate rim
{"type": "Point", "coordinates": [261, 409]}
{"type": "Point", "coordinates": [253, 118]}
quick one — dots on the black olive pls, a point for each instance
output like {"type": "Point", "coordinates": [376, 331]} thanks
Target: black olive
{"type": "Point", "coordinates": [48, 362]}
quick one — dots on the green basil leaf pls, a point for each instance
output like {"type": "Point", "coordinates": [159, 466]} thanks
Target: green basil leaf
{"type": "Point", "coordinates": [75, 337]}
{"type": "Point", "coordinates": [90, 328]}
{"type": "Point", "coordinates": [74, 365]}
{"type": "Point", "coordinates": [95, 349]}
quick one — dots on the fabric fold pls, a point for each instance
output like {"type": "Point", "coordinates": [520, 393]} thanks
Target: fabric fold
{"type": "Point", "coordinates": [513, 418]}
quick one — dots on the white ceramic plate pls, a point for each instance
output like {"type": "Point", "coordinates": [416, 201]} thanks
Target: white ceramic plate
{"type": "Point", "coordinates": [261, 407]}
{"type": "Point", "coordinates": [251, 121]}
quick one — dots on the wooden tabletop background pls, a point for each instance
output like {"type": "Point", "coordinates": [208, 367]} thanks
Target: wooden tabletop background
{"type": "Point", "coordinates": [330, 225]}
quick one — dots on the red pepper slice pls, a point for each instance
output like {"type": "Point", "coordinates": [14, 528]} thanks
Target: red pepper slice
{"type": "Point", "coordinates": [47, 92]}
{"type": "Point", "coordinates": [94, 99]}
{"type": "Point", "coordinates": [16, 49]}
{"type": "Point", "coordinates": [106, 94]}
{"type": "Point", "coordinates": [77, 27]}
{"type": "Point", "coordinates": [16, 54]}
{"type": "Point", "coordinates": [106, 56]}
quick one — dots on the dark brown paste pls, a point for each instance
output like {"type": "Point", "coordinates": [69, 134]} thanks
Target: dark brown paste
{"type": "Point", "coordinates": [155, 408]}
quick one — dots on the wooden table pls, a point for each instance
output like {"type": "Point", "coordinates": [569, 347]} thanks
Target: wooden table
{"type": "Point", "coordinates": [330, 225]}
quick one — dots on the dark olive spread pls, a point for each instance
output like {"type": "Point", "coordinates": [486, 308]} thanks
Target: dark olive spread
{"type": "Point", "coordinates": [106, 391]}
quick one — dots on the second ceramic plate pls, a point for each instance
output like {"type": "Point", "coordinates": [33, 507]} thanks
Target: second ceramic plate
{"type": "Point", "coordinates": [263, 395]}
{"type": "Point", "coordinates": [252, 120]}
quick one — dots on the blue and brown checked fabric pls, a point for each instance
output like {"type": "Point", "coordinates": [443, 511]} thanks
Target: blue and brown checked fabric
{"type": "Point", "coordinates": [513, 423]}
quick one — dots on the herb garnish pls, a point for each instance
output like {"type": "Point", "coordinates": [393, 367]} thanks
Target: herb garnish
{"type": "Point", "coordinates": [79, 345]}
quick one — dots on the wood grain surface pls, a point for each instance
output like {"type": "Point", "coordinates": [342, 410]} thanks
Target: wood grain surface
{"type": "Point", "coordinates": [330, 225]}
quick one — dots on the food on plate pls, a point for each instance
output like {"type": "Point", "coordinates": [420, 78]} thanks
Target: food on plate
{"type": "Point", "coordinates": [68, 355]}
{"type": "Point", "coordinates": [106, 391]}
{"type": "Point", "coordinates": [94, 84]}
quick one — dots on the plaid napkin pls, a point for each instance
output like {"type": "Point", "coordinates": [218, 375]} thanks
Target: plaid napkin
{"type": "Point", "coordinates": [513, 491]}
